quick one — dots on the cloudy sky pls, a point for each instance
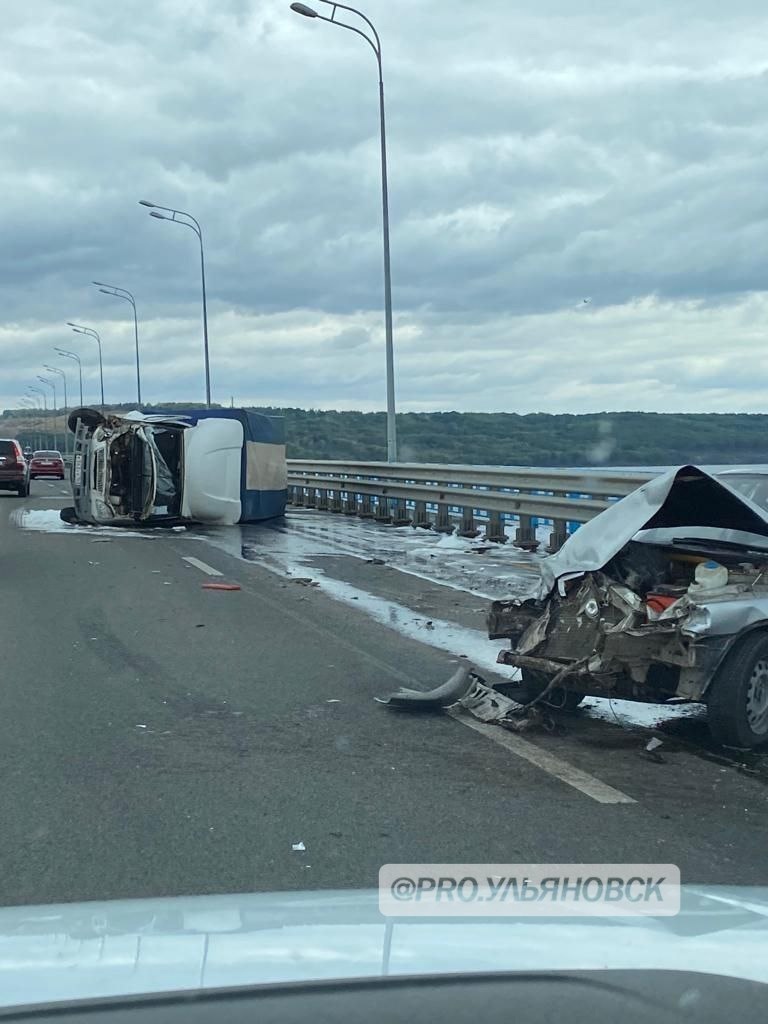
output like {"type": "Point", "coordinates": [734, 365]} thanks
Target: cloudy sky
{"type": "Point", "coordinates": [542, 153]}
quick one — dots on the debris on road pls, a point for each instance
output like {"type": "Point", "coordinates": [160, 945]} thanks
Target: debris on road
{"type": "Point", "coordinates": [442, 697]}
{"type": "Point", "coordinates": [221, 586]}
{"type": "Point", "coordinates": [485, 703]}
{"type": "Point", "coordinates": [306, 581]}
{"type": "Point", "coordinates": [298, 847]}
{"type": "Point", "coordinates": [651, 749]}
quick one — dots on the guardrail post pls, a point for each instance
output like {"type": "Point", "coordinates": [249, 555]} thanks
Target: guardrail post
{"type": "Point", "coordinates": [322, 499]}
{"type": "Point", "coordinates": [350, 505]}
{"type": "Point", "coordinates": [400, 510]}
{"type": "Point", "coordinates": [421, 516]}
{"type": "Point", "coordinates": [335, 502]}
{"type": "Point", "coordinates": [559, 535]}
{"type": "Point", "coordinates": [298, 497]}
{"type": "Point", "coordinates": [468, 528]}
{"type": "Point", "coordinates": [310, 501]}
{"type": "Point", "coordinates": [443, 523]}
{"type": "Point", "coordinates": [366, 508]}
{"type": "Point", "coordinates": [382, 511]}
{"type": "Point", "coordinates": [525, 537]}
{"type": "Point", "coordinates": [495, 531]}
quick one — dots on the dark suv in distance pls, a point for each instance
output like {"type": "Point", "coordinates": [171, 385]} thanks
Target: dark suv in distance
{"type": "Point", "coordinates": [14, 468]}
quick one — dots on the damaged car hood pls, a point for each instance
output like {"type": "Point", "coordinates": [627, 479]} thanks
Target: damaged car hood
{"type": "Point", "coordinates": [685, 497]}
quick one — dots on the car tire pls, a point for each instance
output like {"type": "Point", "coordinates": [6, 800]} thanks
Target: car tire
{"type": "Point", "coordinates": [559, 699]}
{"type": "Point", "coordinates": [737, 701]}
{"type": "Point", "coordinates": [91, 418]}
{"type": "Point", "coordinates": [68, 514]}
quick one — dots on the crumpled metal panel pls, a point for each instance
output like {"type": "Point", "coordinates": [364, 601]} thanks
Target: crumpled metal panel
{"type": "Point", "coordinates": [685, 496]}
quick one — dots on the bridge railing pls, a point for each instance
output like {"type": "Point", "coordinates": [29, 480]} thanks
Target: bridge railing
{"type": "Point", "coordinates": [449, 497]}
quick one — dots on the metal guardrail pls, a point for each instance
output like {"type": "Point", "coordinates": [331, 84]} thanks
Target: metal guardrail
{"type": "Point", "coordinates": [441, 496]}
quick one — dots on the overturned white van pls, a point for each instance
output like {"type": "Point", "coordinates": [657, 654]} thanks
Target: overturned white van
{"type": "Point", "coordinates": [221, 466]}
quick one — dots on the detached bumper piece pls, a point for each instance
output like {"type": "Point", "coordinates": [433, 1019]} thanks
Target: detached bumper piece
{"type": "Point", "coordinates": [465, 689]}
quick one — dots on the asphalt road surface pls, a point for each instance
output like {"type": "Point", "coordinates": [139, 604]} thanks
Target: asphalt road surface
{"type": "Point", "coordinates": [158, 738]}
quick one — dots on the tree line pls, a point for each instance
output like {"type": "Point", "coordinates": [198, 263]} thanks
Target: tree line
{"type": "Point", "coordinates": [506, 439]}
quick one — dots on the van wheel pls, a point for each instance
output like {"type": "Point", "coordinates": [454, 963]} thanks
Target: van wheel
{"type": "Point", "coordinates": [737, 703]}
{"type": "Point", "coordinates": [559, 698]}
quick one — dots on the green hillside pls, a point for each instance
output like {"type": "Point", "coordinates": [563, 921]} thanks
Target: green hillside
{"type": "Point", "coordinates": [538, 439]}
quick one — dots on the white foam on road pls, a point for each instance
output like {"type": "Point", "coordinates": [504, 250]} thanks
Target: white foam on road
{"type": "Point", "coordinates": [48, 520]}
{"type": "Point", "coordinates": [490, 571]}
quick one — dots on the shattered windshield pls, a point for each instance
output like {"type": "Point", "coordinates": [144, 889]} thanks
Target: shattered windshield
{"type": "Point", "coordinates": [164, 446]}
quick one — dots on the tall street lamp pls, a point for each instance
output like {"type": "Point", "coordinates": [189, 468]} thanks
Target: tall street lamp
{"type": "Point", "coordinates": [73, 355]}
{"type": "Point", "coordinates": [33, 387]}
{"type": "Point", "coordinates": [79, 329]}
{"type": "Point", "coordinates": [161, 213]}
{"type": "Point", "coordinates": [52, 384]}
{"type": "Point", "coordinates": [55, 369]}
{"type": "Point", "coordinates": [375, 44]}
{"type": "Point", "coordinates": [123, 293]}
{"type": "Point", "coordinates": [37, 405]}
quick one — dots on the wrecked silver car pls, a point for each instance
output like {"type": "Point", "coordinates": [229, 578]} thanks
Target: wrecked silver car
{"type": "Point", "coordinates": [663, 597]}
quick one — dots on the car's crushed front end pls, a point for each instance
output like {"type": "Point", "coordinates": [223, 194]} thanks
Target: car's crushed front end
{"type": "Point", "coordinates": [626, 610]}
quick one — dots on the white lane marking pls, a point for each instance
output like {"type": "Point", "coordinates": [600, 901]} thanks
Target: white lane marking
{"type": "Point", "coordinates": [203, 566]}
{"type": "Point", "coordinates": [568, 773]}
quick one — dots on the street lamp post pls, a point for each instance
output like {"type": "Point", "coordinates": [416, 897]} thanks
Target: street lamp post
{"type": "Point", "coordinates": [76, 357]}
{"type": "Point", "coordinates": [54, 369]}
{"type": "Point", "coordinates": [375, 44]}
{"type": "Point", "coordinates": [52, 385]}
{"type": "Point", "coordinates": [161, 213]}
{"type": "Point", "coordinates": [41, 403]}
{"type": "Point", "coordinates": [26, 402]}
{"type": "Point", "coordinates": [123, 293]}
{"type": "Point", "coordinates": [79, 329]}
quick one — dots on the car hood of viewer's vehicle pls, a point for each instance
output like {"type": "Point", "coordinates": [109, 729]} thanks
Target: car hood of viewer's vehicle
{"type": "Point", "coordinates": [687, 496]}
{"type": "Point", "coordinates": [92, 950]}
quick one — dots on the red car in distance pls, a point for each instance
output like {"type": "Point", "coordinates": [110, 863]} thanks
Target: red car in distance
{"type": "Point", "coordinates": [47, 464]}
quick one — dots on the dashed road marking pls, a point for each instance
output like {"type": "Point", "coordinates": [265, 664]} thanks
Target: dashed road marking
{"type": "Point", "coordinates": [202, 566]}
{"type": "Point", "coordinates": [568, 773]}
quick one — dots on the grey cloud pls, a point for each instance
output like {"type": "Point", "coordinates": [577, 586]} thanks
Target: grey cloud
{"type": "Point", "coordinates": [536, 156]}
